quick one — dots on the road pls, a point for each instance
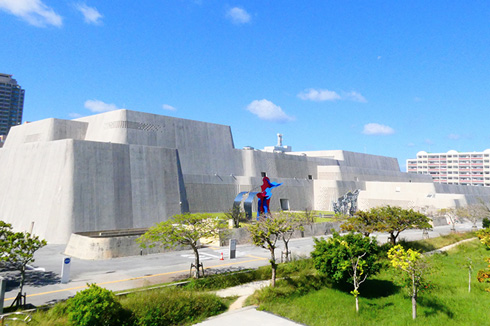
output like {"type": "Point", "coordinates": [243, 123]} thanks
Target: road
{"type": "Point", "coordinates": [43, 283]}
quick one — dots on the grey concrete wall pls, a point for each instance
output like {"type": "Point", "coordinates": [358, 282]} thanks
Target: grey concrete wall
{"type": "Point", "coordinates": [44, 131]}
{"type": "Point", "coordinates": [36, 186]}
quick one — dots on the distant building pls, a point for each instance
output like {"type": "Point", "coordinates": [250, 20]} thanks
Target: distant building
{"type": "Point", "coordinates": [279, 148]}
{"type": "Point", "coordinates": [11, 103]}
{"type": "Point", "coordinates": [465, 168]}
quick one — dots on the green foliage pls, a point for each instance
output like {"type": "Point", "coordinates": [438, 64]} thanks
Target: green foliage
{"type": "Point", "coordinates": [265, 234]}
{"type": "Point", "coordinates": [486, 222]}
{"type": "Point", "coordinates": [391, 219]}
{"type": "Point", "coordinates": [183, 230]}
{"type": "Point", "coordinates": [484, 236]}
{"type": "Point", "coordinates": [172, 307]}
{"type": "Point", "coordinates": [333, 257]}
{"type": "Point", "coordinates": [364, 222]}
{"type": "Point", "coordinates": [394, 220]}
{"type": "Point", "coordinates": [222, 281]}
{"type": "Point", "coordinates": [235, 214]}
{"type": "Point", "coordinates": [96, 306]}
{"type": "Point", "coordinates": [17, 249]}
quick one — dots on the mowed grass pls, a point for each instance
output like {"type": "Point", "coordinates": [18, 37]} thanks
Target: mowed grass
{"type": "Point", "coordinates": [383, 301]}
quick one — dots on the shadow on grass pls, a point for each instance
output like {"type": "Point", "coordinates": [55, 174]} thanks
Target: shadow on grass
{"type": "Point", "coordinates": [434, 307]}
{"type": "Point", "coordinates": [371, 289]}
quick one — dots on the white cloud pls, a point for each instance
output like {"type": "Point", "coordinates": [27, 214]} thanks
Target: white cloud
{"type": "Point", "coordinates": [429, 142]}
{"type": "Point", "coordinates": [454, 136]}
{"type": "Point", "coordinates": [410, 144]}
{"type": "Point", "coordinates": [377, 129]}
{"type": "Point", "coordinates": [168, 107]}
{"type": "Point", "coordinates": [354, 96]}
{"type": "Point", "coordinates": [320, 95]}
{"type": "Point", "coordinates": [35, 12]}
{"type": "Point", "coordinates": [74, 115]}
{"type": "Point", "coordinates": [99, 106]}
{"type": "Point", "coordinates": [90, 14]}
{"type": "Point", "coordinates": [238, 15]}
{"type": "Point", "coordinates": [266, 110]}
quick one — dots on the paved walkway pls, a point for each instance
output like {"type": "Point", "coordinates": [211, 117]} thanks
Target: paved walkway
{"type": "Point", "coordinates": [247, 316]}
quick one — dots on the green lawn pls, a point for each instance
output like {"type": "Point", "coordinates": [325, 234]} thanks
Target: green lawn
{"type": "Point", "coordinates": [384, 302]}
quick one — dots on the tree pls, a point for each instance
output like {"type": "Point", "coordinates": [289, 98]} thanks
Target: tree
{"type": "Point", "coordinates": [364, 222]}
{"type": "Point", "coordinates": [411, 262]}
{"type": "Point", "coordinates": [394, 220]}
{"type": "Point", "coordinates": [183, 230]}
{"type": "Point", "coordinates": [474, 212]}
{"type": "Point", "coordinates": [290, 222]}
{"type": "Point", "coordinates": [18, 250]}
{"type": "Point", "coordinates": [235, 214]}
{"type": "Point", "coordinates": [352, 258]}
{"type": "Point", "coordinates": [265, 234]}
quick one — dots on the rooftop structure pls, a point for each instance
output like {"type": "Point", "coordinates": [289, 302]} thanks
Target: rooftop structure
{"type": "Point", "coordinates": [458, 168]}
{"type": "Point", "coordinates": [11, 103]}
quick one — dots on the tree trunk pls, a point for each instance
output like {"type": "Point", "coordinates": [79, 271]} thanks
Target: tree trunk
{"type": "Point", "coordinates": [22, 278]}
{"type": "Point", "coordinates": [414, 299]}
{"type": "Point", "coordinates": [286, 250]}
{"type": "Point", "coordinates": [273, 266]}
{"type": "Point", "coordinates": [469, 280]}
{"type": "Point", "coordinates": [196, 261]}
{"type": "Point", "coordinates": [357, 304]}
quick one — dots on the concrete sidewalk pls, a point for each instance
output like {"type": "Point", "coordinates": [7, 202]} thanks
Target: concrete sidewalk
{"type": "Point", "coordinates": [247, 316]}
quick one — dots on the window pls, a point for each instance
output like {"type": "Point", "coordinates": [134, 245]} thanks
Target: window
{"type": "Point", "coordinates": [284, 204]}
{"type": "Point", "coordinates": [263, 174]}
{"type": "Point", "coordinates": [310, 177]}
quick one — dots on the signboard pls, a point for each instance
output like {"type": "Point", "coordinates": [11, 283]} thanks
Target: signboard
{"type": "Point", "coordinates": [65, 270]}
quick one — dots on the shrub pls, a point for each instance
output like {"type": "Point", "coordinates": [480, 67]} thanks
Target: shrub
{"type": "Point", "coordinates": [332, 257]}
{"type": "Point", "coordinates": [172, 307]}
{"type": "Point", "coordinates": [486, 223]}
{"type": "Point", "coordinates": [95, 306]}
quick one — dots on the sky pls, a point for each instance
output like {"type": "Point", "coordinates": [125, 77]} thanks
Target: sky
{"type": "Point", "coordinates": [386, 78]}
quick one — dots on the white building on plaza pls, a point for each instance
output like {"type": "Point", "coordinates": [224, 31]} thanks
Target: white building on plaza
{"type": "Point", "coordinates": [459, 168]}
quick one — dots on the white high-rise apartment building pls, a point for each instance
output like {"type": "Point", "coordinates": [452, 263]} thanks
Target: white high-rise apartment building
{"type": "Point", "coordinates": [460, 168]}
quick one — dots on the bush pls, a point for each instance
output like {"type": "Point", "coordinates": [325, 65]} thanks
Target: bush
{"type": "Point", "coordinates": [332, 257]}
{"type": "Point", "coordinates": [95, 306]}
{"type": "Point", "coordinates": [172, 307]}
{"type": "Point", "coordinates": [486, 223]}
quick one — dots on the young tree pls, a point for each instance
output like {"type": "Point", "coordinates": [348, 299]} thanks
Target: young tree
{"type": "Point", "coordinates": [235, 214]}
{"type": "Point", "coordinates": [483, 275]}
{"type": "Point", "coordinates": [412, 263]}
{"type": "Point", "coordinates": [183, 230]}
{"type": "Point", "coordinates": [265, 234]}
{"type": "Point", "coordinates": [394, 220]}
{"type": "Point", "coordinates": [352, 258]}
{"type": "Point", "coordinates": [18, 250]}
{"type": "Point", "coordinates": [364, 222]}
{"type": "Point", "coordinates": [290, 222]}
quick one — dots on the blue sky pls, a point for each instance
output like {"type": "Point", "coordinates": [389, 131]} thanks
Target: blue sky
{"type": "Point", "coordinates": [380, 77]}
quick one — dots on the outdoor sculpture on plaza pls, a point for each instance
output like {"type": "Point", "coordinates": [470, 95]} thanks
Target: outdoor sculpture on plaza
{"type": "Point", "coordinates": [347, 204]}
{"type": "Point", "coordinates": [265, 196]}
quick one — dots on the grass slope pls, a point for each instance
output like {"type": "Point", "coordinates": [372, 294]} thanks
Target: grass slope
{"type": "Point", "coordinates": [385, 302]}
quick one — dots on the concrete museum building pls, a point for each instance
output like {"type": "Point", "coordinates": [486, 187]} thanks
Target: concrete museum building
{"type": "Point", "coordinates": [125, 170]}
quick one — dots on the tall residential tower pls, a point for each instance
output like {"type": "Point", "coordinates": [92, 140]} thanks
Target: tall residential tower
{"type": "Point", "coordinates": [11, 103]}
